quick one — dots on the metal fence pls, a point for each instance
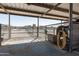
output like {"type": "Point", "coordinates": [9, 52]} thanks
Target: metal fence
{"type": "Point", "coordinates": [20, 33]}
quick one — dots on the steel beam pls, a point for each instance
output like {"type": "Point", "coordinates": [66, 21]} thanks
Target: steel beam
{"type": "Point", "coordinates": [44, 5]}
{"type": "Point", "coordinates": [57, 23]}
{"type": "Point", "coordinates": [1, 6]}
{"type": "Point", "coordinates": [70, 26]}
{"type": "Point", "coordinates": [35, 12]}
{"type": "Point", "coordinates": [11, 13]}
{"type": "Point", "coordinates": [52, 8]}
{"type": "Point", "coordinates": [31, 11]}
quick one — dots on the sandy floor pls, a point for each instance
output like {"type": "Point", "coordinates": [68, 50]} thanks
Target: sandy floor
{"type": "Point", "coordinates": [39, 47]}
{"type": "Point", "coordinates": [26, 44]}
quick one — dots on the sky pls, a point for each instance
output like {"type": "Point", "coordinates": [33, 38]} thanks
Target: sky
{"type": "Point", "coordinates": [22, 20]}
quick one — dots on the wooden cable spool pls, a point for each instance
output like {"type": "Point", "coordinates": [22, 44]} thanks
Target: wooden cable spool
{"type": "Point", "coordinates": [61, 38]}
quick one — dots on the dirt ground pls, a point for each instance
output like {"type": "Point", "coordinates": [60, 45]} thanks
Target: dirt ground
{"type": "Point", "coordinates": [23, 43]}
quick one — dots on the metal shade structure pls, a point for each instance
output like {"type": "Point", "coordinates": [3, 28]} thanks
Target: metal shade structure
{"type": "Point", "coordinates": [37, 9]}
{"type": "Point", "coordinates": [53, 11]}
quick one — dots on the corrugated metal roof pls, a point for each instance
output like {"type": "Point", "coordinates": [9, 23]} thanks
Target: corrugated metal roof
{"type": "Point", "coordinates": [61, 12]}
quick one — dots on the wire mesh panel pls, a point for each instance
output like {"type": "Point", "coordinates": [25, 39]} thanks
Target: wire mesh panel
{"type": "Point", "coordinates": [52, 31]}
{"type": "Point", "coordinates": [42, 32]}
{"type": "Point", "coordinates": [20, 28]}
{"type": "Point", "coordinates": [4, 32]}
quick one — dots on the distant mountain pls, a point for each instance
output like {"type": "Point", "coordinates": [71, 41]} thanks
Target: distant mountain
{"type": "Point", "coordinates": [5, 27]}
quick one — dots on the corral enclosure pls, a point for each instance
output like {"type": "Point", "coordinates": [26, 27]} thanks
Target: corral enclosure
{"type": "Point", "coordinates": [28, 30]}
{"type": "Point", "coordinates": [45, 29]}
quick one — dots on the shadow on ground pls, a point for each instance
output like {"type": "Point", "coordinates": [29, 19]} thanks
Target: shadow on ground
{"type": "Point", "coordinates": [42, 48]}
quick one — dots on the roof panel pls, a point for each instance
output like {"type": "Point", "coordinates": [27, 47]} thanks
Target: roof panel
{"type": "Point", "coordinates": [51, 3]}
{"type": "Point", "coordinates": [58, 13]}
{"type": "Point", "coordinates": [27, 13]}
{"type": "Point", "coordinates": [64, 5]}
{"type": "Point", "coordinates": [36, 8]}
{"type": "Point", "coordinates": [26, 7]}
{"type": "Point", "coordinates": [42, 9]}
{"type": "Point", "coordinates": [76, 7]}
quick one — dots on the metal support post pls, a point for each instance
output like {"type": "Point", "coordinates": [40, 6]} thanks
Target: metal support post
{"type": "Point", "coordinates": [0, 35]}
{"type": "Point", "coordinates": [70, 27]}
{"type": "Point", "coordinates": [37, 27]}
{"type": "Point", "coordinates": [61, 22]}
{"type": "Point", "coordinates": [9, 28]}
{"type": "Point", "coordinates": [45, 32]}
